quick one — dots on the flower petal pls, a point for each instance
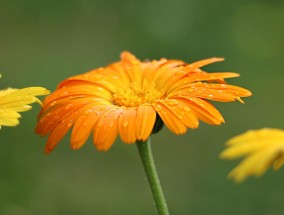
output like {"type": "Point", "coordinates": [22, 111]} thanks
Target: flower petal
{"type": "Point", "coordinates": [132, 67]}
{"type": "Point", "coordinates": [182, 111]}
{"type": "Point", "coordinates": [127, 125]}
{"type": "Point", "coordinates": [9, 117]}
{"type": "Point", "coordinates": [169, 118]}
{"type": "Point", "coordinates": [85, 124]}
{"type": "Point", "coordinates": [146, 116]}
{"type": "Point", "coordinates": [190, 78]}
{"type": "Point", "coordinates": [106, 128]}
{"type": "Point", "coordinates": [204, 110]}
{"type": "Point", "coordinates": [60, 130]}
{"type": "Point", "coordinates": [49, 119]}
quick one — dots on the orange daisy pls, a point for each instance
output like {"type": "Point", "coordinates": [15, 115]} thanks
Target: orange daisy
{"type": "Point", "coordinates": [130, 97]}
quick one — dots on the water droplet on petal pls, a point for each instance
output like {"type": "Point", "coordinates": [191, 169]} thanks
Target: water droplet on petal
{"type": "Point", "coordinates": [210, 96]}
{"type": "Point", "coordinates": [68, 106]}
{"type": "Point", "coordinates": [88, 111]}
{"type": "Point", "coordinates": [173, 102]}
{"type": "Point", "coordinates": [70, 123]}
{"type": "Point", "coordinates": [125, 124]}
{"type": "Point", "coordinates": [180, 73]}
{"type": "Point", "coordinates": [158, 107]}
{"type": "Point", "coordinates": [190, 90]}
{"type": "Point", "coordinates": [53, 103]}
{"type": "Point", "coordinates": [48, 115]}
{"type": "Point", "coordinates": [186, 108]}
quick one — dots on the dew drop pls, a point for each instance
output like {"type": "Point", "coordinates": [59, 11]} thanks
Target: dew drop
{"type": "Point", "coordinates": [190, 90]}
{"type": "Point", "coordinates": [186, 108]}
{"type": "Point", "coordinates": [86, 76]}
{"type": "Point", "coordinates": [223, 85]}
{"type": "Point", "coordinates": [158, 107]}
{"type": "Point", "coordinates": [125, 124]}
{"type": "Point", "coordinates": [48, 115]}
{"type": "Point", "coordinates": [210, 96]}
{"type": "Point", "coordinates": [68, 106]}
{"type": "Point", "coordinates": [53, 103]}
{"type": "Point", "coordinates": [180, 116]}
{"type": "Point", "coordinates": [88, 111]}
{"type": "Point", "coordinates": [70, 123]}
{"type": "Point", "coordinates": [173, 102]}
{"type": "Point", "coordinates": [179, 73]}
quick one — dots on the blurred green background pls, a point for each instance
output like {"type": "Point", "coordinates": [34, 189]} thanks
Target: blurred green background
{"type": "Point", "coordinates": [44, 42]}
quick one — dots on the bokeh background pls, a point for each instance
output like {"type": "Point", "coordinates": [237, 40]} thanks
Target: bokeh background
{"type": "Point", "coordinates": [44, 42]}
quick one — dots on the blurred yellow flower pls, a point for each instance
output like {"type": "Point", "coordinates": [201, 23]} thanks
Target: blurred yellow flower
{"type": "Point", "coordinates": [129, 97]}
{"type": "Point", "coordinates": [261, 148]}
{"type": "Point", "coordinates": [13, 101]}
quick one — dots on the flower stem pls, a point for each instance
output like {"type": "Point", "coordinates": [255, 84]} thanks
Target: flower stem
{"type": "Point", "coordinates": [146, 156]}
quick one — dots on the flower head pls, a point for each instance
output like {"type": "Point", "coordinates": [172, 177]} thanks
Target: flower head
{"type": "Point", "coordinates": [261, 148]}
{"type": "Point", "coordinates": [13, 101]}
{"type": "Point", "coordinates": [129, 96]}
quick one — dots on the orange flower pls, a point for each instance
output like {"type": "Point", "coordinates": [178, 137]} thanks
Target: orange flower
{"type": "Point", "coordinates": [129, 96]}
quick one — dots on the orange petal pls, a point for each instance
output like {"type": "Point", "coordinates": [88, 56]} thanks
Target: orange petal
{"type": "Point", "coordinates": [146, 116]}
{"type": "Point", "coordinates": [204, 110]}
{"type": "Point", "coordinates": [59, 131]}
{"type": "Point", "coordinates": [167, 72]}
{"type": "Point", "coordinates": [132, 67]}
{"type": "Point", "coordinates": [204, 62]}
{"type": "Point", "coordinates": [85, 124]}
{"type": "Point", "coordinates": [182, 111]}
{"type": "Point", "coordinates": [187, 80]}
{"type": "Point", "coordinates": [52, 117]}
{"type": "Point", "coordinates": [106, 78]}
{"type": "Point", "coordinates": [106, 128]}
{"type": "Point", "coordinates": [216, 92]}
{"type": "Point", "coordinates": [169, 118]}
{"type": "Point", "coordinates": [127, 125]}
{"type": "Point", "coordinates": [77, 91]}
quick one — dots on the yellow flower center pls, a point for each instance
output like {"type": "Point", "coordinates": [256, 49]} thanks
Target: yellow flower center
{"type": "Point", "coordinates": [136, 94]}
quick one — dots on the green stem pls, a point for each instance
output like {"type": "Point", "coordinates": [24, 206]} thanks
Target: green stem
{"type": "Point", "coordinates": [146, 156]}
